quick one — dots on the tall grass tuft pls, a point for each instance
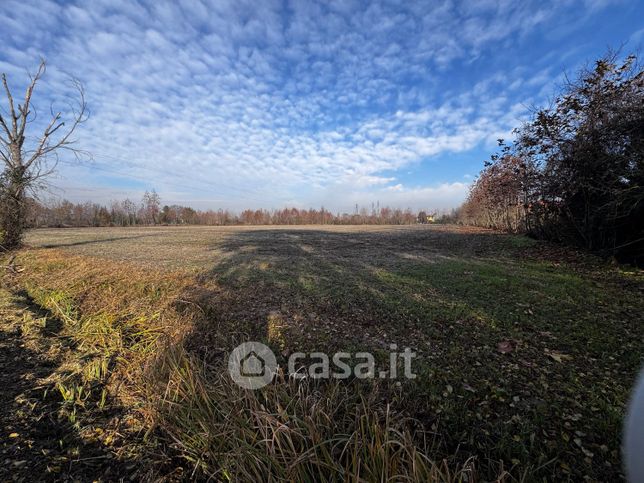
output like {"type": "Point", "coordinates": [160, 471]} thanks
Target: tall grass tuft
{"type": "Point", "coordinates": [291, 430]}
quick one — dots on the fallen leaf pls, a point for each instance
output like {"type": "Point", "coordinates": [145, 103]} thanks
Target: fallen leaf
{"type": "Point", "coordinates": [506, 346]}
{"type": "Point", "coordinates": [558, 356]}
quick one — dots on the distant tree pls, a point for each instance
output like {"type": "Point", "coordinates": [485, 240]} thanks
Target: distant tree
{"type": "Point", "coordinates": [188, 215]}
{"type": "Point", "coordinates": [503, 194]}
{"type": "Point", "coordinates": [165, 215]}
{"type": "Point", "coordinates": [151, 207]}
{"type": "Point", "coordinates": [117, 214]}
{"type": "Point", "coordinates": [129, 207]}
{"type": "Point", "coordinates": [29, 160]}
{"type": "Point", "coordinates": [102, 217]}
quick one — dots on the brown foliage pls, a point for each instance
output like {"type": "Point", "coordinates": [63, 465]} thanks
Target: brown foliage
{"type": "Point", "coordinates": [575, 172]}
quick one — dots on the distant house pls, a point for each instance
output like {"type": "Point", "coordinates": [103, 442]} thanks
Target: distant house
{"type": "Point", "coordinates": [423, 218]}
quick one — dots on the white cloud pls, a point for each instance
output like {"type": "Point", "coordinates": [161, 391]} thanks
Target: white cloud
{"type": "Point", "coordinates": [263, 104]}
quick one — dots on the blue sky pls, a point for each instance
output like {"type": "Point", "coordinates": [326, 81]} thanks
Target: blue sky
{"type": "Point", "coordinates": [263, 104]}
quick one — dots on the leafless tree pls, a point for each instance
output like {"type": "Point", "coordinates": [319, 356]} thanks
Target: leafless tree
{"type": "Point", "coordinates": [28, 160]}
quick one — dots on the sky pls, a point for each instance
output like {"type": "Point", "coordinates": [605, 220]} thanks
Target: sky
{"type": "Point", "coordinates": [265, 104]}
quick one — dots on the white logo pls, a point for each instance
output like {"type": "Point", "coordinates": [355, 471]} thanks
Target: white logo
{"type": "Point", "coordinates": [252, 365]}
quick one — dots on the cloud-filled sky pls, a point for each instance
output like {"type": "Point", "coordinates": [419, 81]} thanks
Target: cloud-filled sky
{"type": "Point", "coordinates": [263, 104]}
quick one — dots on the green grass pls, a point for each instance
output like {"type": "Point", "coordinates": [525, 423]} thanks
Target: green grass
{"type": "Point", "coordinates": [548, 407]}
{"type": "Point", "coordinates": [528, 407]}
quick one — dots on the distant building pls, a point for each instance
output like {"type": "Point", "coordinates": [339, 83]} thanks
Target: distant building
{"type": "Point", "coordinates": [423, 218]}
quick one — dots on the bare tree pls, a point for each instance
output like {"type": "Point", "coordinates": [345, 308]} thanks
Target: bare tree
{"type": "Point", "coordinates": [150, 207]}
{"type": "Point", "coordinates": [28, 160]}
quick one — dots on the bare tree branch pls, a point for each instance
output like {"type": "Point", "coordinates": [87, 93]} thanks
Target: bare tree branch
{"type": "Point", "coordinates": [12, 110]}
{"type": "Point", "coordinates": [24, 110]}
{"type": "Point", "coordinates": [26, 169]}
{"type": "Point", "coordinates": [44, 147]}
{"type": "Point", "coordinates": [5, 127]}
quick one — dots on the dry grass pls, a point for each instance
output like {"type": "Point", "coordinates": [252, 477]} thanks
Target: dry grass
{"type": "Point", "coordinates": [198, 247]}
{"type": "Point", "coordinates": [132, 345]}
{"type": "Point", "coordinates": [550, 407]}
{"type": "Point", "coordinates": [292, 430]}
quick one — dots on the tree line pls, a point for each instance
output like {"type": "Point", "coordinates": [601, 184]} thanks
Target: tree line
{"type": "Point", "coordinates": [575, 171]}
{"type": "Point", "coordinates": [149, 211]}
{"type": "Point", "coordinates": [28, 158]}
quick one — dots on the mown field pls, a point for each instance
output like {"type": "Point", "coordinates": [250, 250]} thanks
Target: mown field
{"type": "Point", "coordinates": [527, 352]}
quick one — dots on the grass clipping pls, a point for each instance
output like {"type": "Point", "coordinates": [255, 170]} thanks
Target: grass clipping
{"type": "Point", "coordinates": [128, 329]}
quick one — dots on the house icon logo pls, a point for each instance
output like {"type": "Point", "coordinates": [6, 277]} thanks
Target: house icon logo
{"type": "Point", "coordinates": [252, 365]}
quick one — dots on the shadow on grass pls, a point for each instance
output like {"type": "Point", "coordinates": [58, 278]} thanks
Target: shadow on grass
{"type": "Point", "coordinates": [453, 298]}
{"type": "Point", "coordinates": [419, 279]}
{"type": "Point", "coordinates": [36, 440]}
{"type": "Point", "coordinates": [362, 279]}
{"type": "Point", "coordinates": [98, 240]}
{"type": "Point", "coordinates": [53, 325]}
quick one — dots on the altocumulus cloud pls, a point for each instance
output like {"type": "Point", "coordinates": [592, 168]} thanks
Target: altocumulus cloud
{"type": "Point", "coordinates": [261, 104]}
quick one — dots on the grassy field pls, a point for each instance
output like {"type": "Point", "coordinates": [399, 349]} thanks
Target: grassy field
{"type": "Point", "coordinates": [526, 351]}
